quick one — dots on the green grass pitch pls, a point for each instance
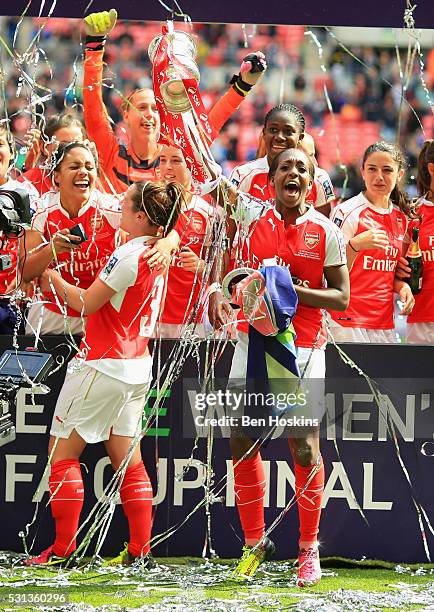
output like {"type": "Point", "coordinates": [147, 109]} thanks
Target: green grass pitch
{"type": "Point", "coordinates": [196, 585]}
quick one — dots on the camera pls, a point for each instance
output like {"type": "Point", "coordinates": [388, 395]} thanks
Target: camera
{"type": "Point", "coordinates": [18, 369]}
{"type": "Point", "coordinates": [14, 211]}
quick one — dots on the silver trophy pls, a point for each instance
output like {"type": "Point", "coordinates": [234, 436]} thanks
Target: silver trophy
{"type": "Point", "coordinates": [172, 88]}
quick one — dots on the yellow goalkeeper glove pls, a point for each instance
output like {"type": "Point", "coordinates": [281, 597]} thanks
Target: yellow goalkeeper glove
{"type": "Point", "coordinates": [100, 24]}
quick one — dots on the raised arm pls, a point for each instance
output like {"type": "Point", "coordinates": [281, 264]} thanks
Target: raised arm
{"type": "Point", "coordinates": [241, 84]}
{"type": "Point", "coordinates": [97, 121]}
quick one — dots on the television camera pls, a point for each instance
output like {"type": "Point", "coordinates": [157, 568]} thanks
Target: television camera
{"type": "Point", "coordinates": [14, 213]}
{"type": "Point", "coordinates": [18, 369]}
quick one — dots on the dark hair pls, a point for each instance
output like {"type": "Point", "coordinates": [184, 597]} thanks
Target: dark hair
{"type": "Point", "coordinates": [64, 148]}
{"type": "Point", "coordinates": [398, 196]}
{"type": "Point", "coordinates": [57, 122]}
{"type": "Point", "coordinates": [426, 156]}
{"type": "Point", "coordinates": [276, 160]}
{"type": "Point", "coordinates": [160, 201]}
{"type": "Point", "coordinates": [287, 108]}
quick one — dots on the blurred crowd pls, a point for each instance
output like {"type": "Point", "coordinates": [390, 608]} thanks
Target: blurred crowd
{"type": "Point", "coordinates": [364, 87]}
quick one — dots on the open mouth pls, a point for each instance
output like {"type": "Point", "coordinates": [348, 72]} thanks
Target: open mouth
{"type": "Point", "coordinates": [292, 188]}
{"type": "Point", "coordinates": [82, 184]}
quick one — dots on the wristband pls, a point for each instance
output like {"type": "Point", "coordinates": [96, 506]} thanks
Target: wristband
{"type": "Point", "coordinates": [94, 43]}
{"type": "Point", "coordinates": [213, 288]}
{"type": "Point", "coordinates": [351, 246]}
{"type": "Point", "coordinates": [241, 87]}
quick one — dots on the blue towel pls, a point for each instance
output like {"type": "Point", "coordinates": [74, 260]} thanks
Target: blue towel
{"type": "Point", "coordinates": [272, 360]}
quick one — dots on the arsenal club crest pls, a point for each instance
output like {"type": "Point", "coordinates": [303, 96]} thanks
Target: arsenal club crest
{"type": "Point", "coordinates": [197, 225]}
{"type": "Point", "coordinates": [96, 221]}
{"type": "Point", "coordinates": [311, 239]}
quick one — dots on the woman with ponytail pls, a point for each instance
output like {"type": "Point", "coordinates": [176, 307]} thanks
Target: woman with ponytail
{"type": "Point", "coordinates": [420, 323]}
{"type": "Point", "coordinates": [50, 242]}
{"type": "Point", "coordinates": [374, 224]}
{"type": "Point", "coordinates": [105, 390]}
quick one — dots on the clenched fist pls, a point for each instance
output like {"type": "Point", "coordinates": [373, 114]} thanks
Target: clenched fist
{"type": "Point", "coordinates": [250, 71]}
{"type": "Point", "coordinates": [100, 24]}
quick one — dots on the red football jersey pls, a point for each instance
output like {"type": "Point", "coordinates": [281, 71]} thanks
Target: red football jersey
{"type": "Point", "coordinates": [373, 272]}
{"type": "Point", "coordinates": [252, 178]}
{"type": "Point", "coordinates": [40, 179]}
{"type": "Point", "coordinates": [194, 225]}
{"type": "Point", "coordinates": [307, 247]}
{"type": "Point", "coordinates": [423, 311]}
{"type": "Point", "coordinates": [100, 218]}
{"type": "Point", "coordinates": [117, 335]}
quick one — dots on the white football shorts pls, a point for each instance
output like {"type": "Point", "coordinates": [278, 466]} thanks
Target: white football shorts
{"type": "Point", "coordinates": [97, 405]}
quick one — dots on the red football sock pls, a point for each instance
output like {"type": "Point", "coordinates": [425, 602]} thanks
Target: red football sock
{"type": "Point", "coordinates": [67, 493]}
{"type": "Point", "coordinates": [249, 485]}
{"type": "Point", "coordinates": [309, 503]}
{"type": "Point", "coordinates": [136, 496]}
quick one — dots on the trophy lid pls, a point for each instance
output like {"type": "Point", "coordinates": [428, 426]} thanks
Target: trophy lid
{"type": "Point", "coordinates": [182, 42]}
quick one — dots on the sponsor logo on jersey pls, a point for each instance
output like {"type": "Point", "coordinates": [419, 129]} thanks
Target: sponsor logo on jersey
{"type": "Point", "coordinates": [53, 227]}
{"type": "Point", "coordinates": [378, 264]}
{"type": "Point", "coordinates": [110, 264]}
{"type": "Point", "coordinates": [259, 188]}
{"type": "Point", "coordinates": [271, 222]}
{"type": "Point", "coordinates": [311, 239]}
{"type": "Point", "coordinates": [338, 221]}
{"type": "Point", "coordinates": [237, 183]}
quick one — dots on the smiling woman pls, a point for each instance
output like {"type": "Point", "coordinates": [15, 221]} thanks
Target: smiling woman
{"type": "Point", "coordinates": [122, 164]}
{"type": "Point", "coordinates": [374, 224]}
{"type": "Point", "coordinates": [59, 129]}
{"type": "Point", "coordinates": [103, 394]}
{"type": "Point", "coordinates": [51, 242]}
{"type": "Point", "coordinates": [283, 129]}
{"type": "Point", "coordinates": [185, 287]}
{"type": "Point", "coordinates": [312, 247]}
